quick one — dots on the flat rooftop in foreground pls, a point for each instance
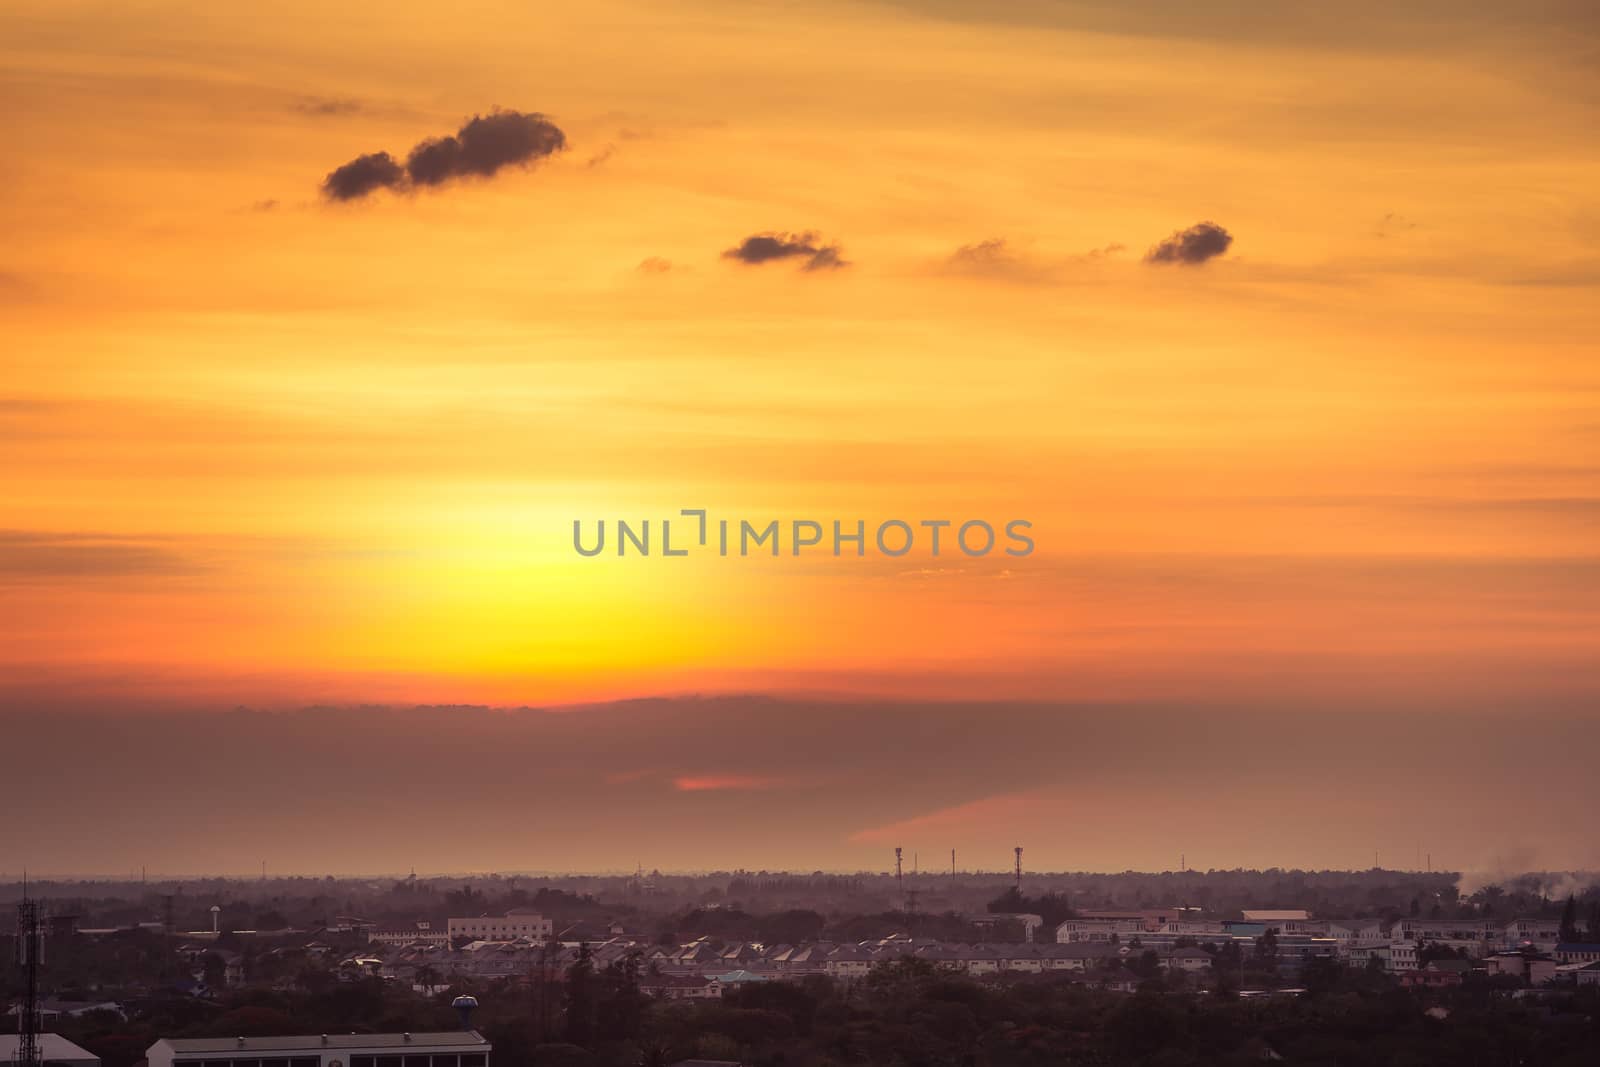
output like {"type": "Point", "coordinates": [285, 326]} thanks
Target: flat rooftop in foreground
{"type": "Point", "coordinates": [454, 1039]}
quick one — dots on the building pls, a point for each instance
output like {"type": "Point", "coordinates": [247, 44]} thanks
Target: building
{"type": "Point", "coordinates": [1476, 937]}
{"type": "Point", "coordinates": [458, 1048]}
{"type": "Point", "coordinates": [1577, 952]}
{"type": "Point", "coordinates": [1539, 933]}
{"type": "Point", "coordinates": [512, 926]}
{"type": "Point", "coordinates": [1277, 917]}
{"type": "Point", "coordinates": [422, 931]}
{"type": "Point", "coordinates": [1098, 929]}
{"type": "Point", "coordinates": [53, 1049]}
{"type": "Point", "coordinates": [672, 987]}
{"type": "Point", "coordinates": [50, 1011]}
{"type": "Point", "coordinates": [1188, 960]}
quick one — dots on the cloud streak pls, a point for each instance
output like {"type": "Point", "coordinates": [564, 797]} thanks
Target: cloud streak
{"type": "Point", "coordinates": [27, 555]}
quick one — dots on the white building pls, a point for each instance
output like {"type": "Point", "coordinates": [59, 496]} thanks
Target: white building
{"type": "Point", "coordinates": [459, 1048]}
{"type": "Point", "coordinates": [1075, 930]}
{"type": "Point", "coordinates": [407, 933]}
{"type": "Point", "coordinates": [1477, 937]}
{"type": "Point", "coordinates": [1540, 933]}
{"type": "Point", "coordinates": [511, 926]}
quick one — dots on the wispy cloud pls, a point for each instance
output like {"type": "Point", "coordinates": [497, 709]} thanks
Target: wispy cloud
{"type": "Point", "coordinates": [704, 783]}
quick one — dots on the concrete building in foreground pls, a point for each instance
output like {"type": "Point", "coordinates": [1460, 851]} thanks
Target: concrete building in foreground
{"type": "Point", "coordinates": [458, 1048]}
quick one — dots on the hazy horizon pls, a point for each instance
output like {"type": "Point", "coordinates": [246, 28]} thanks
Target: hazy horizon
{"type": "Point", "coordinates": [762, 782]}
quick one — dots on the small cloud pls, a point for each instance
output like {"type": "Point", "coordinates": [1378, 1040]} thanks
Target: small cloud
{"type": "Point", "coordinates": [602, 156]}
{"type": "Point", "coordinates": [1201, 242]}
{"type": "Point", "coordinates": [999, 258]}
{"type": "Point", "coordinates": [327, 106]}
{"type": "Point", "coordinates": [264, 205]}
{"type": "Point", "coordinates": [991, 255]}
{"type": "Point", "coordinates": [481, 148]}
{"type": "Point", "coordinates": [766, 247]}
{"type": "Point", "coordinates": [714, 782]}
{"type": "Point", "coordinates": [654, 265]}
{"type": "Point", "coordinates": [362, 175]}
{"type": "Point", "coordinates": [1393, 224]}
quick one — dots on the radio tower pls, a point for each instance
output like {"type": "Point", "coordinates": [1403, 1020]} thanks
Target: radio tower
{"type": "Point", "coordinates": [1018, 851]}
{"type": "Point", "coordinates": [28, 946]}
{"type": "Point", "coordinates": [899, 881]}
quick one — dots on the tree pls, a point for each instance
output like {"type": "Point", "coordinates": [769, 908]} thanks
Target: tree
{"type": "Point", "coordinates": [580, 997]}
{"type": "Point", "coordinates": [1569, 920]}
{"type": "Point", "coordinates": [215, 970]}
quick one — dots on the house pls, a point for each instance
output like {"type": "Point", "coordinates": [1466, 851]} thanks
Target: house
{"type": "Point", "coordinates": [735, 979]}
{"type": "Point", "coordinates": [1187, 960]}
{"type": "Point", "coordinates": [848, 961]}
{"type": "Point", "coordinates": [674, 987]}
{"type": "Point", "coordinates": [1535, 970]}
{"type": "Point", "coordinates": [1440, 974]}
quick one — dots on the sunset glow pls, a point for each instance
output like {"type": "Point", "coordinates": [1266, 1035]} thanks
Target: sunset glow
{"type": "Point", "coordinates": [266, 447]}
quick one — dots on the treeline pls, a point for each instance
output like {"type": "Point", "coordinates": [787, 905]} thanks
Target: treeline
{"type": "Point", "coordinates": [913, 1014]}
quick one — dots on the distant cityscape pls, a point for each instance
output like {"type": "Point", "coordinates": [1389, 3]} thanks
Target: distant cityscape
{"type": "Point", "coordinates": [121, 975]}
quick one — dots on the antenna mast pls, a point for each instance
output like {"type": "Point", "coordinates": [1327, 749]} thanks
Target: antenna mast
{"type": "Point", "coordinates": [28, 948]}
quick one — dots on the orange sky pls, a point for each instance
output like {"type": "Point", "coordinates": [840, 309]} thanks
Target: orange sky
{"type": "Point", "coordinates": [264, 448]}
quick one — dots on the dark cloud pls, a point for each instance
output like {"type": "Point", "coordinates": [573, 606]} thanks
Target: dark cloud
{"type": "Point", "coordinates": [481, 148]}
{"type": "Point", "coordinates": [767, 247]}
{"type": "Point", "coordinates": [1200, 242]}
{"type": "Point", "coordinates": [485, 145]}
{"type": "Point", "coordinates": [362, 175]}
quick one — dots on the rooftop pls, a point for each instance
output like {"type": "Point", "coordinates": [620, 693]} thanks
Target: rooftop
{"type": "Point", "coordinates": [320, 1041]}
{"type": "Point", "coordinates": [51, 1047]}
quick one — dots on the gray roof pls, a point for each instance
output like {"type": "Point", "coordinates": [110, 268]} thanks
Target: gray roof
{"type": "Point", "coordinates": [51, 1047]}
{"type": "Point", "coordinates": [310, 1042]}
